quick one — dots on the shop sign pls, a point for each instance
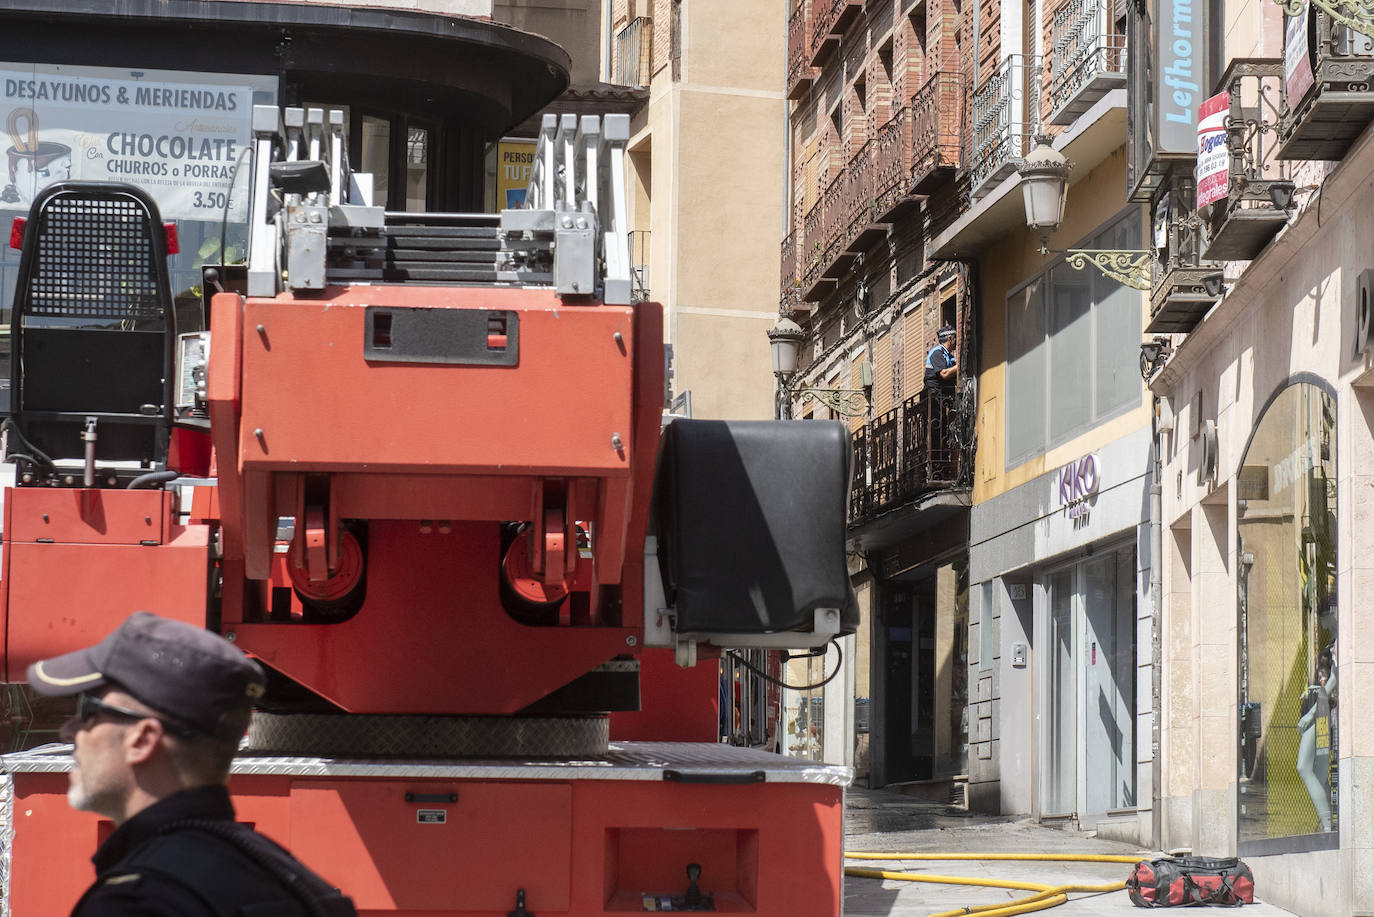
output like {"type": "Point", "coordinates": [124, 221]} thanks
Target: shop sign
{"type": "Point", "coordinates": [1078, 483]}
{"type": "Point", "coordinates": [1178, 85]}
{"type": "Point", "coordinates": [177, 135]}
{"type": "Point", "coordinates": [1297, 57]}
{"type": "Point", "coordinates": [514, 160]}
{"type": "Point", "coordinates": [1213, 156]}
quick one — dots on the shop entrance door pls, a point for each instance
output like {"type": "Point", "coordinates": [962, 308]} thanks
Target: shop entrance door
{"type": "Point", "coordinates": [1088, 746]}
{"type": "Point", "coordinates": [905, 733]}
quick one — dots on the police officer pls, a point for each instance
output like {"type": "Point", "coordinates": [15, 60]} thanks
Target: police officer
{"type": "Point", "coordinates": [941, 365]}
{"type": "Point", "coordinates": [161, 707]}
{"type": "Point", "coordinates": [941, 377]}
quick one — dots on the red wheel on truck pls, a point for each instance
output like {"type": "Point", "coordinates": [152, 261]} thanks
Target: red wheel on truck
{"type": "Point", "coordinates": [342, 582]}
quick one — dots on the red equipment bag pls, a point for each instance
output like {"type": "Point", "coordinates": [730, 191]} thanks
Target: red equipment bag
{"type": "Point", "coordinates": [1190, 880]}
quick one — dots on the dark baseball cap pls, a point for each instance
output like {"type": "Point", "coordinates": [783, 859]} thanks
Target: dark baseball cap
{"type": "Point", "coordinates": [186, 673]}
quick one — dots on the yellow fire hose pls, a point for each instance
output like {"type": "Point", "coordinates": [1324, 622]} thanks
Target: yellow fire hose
{"type": "Point", "coordinates": [1046, 896]}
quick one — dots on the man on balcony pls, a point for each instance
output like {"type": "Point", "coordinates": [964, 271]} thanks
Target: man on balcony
{"type": "Point", "coordinates": [942, 367]}
{"type": "Point", "coordinates": [942, 374]}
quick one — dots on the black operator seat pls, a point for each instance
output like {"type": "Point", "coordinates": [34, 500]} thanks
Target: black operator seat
{"type": "Point", "coordinates": [93, 331]}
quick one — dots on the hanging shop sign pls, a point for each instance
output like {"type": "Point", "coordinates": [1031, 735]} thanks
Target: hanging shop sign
{"type": "Point", "coordinates": [1213, 157]}
{"type": "Point", "coordinates": [1297, 58]}
{"type": "Point", "coordinates": [1078, 482]}
{"type": "Point", "coordinates": [1182, 68]}
{"type": "Point", "coordinates": [178, 135]}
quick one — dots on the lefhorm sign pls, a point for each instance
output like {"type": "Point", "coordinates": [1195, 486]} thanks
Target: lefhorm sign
{"type": "Point", "coordinates": [1078, 482]}
{"type": "Point", "coordinates": [1180, 74]}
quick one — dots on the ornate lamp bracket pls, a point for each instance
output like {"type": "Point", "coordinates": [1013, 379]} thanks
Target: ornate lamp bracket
{"type": "Point", "coordinates": [1353, 14]}
{"type": "Point", "coordinates": [849, 402]}
{"type": "Point", "coordinates": [1126, 266]}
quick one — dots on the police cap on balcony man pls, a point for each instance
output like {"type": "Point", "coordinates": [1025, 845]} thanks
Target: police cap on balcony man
{"type": "Point", "coordinates": [161, 707]}
{"type": "Point", "coordinates": [942, 367]}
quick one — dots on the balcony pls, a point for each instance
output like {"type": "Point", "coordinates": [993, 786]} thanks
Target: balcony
{"type": "Point", "coordinates": [858, 475]}
{"type": "Point", "coordinates": [848, 206]}
{"type": "Point", "coordinates": [1005, 115]}
{"type": "Point", "coordinates": [790, 279]}
{"type": "Point", "coordinates": [829, 19]}
{"type": "Point", "coordinates": [1178, 295]}
{"type": "Point", "coordinates": [834, 223]}
{"type": "Point", "coordinates": [856, 207]}
{"type": "Point", "coordinates": [892, 167]}
{"type": "Point", "coordinates": [1244, 222]}
{"type": "Point", "coordinates": [800, 73]}
{"type": "Point", "coordinates": [1327, 109]}
{"type": "Point", "coordinates": [936, 119]}
{"type": "Point", "coordinates": [634, 50]}
{"type": "Point", "coordinates": [914, 449]}
{"type": "Point", "coordinates": [1089, 59]}
{"type": "Point", "coordinates": [812, 246]}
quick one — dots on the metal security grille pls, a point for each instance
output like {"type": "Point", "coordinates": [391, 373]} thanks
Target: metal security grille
{"type": "Point", "coordinates": [95, 260]}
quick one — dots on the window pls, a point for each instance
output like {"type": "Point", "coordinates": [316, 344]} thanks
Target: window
{"type": "Point", "coordinates": [196, 184]}
{"type": "Point", "coordinates": [1287, 531]}
{"type": "Point", "coordinates": [1076, 334]}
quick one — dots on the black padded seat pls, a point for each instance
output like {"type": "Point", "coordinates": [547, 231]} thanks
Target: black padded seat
{"type": "Point", "coordinates": [750, 518]}
{"type": "Point", "coordinates": [93, 329]}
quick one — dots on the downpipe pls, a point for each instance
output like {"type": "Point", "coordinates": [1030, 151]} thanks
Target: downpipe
{"type": "Point", "coordinates": [1156, 630]}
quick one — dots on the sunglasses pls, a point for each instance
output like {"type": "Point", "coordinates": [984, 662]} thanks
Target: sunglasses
{"type": "Point", "coordinates": [90, 707]}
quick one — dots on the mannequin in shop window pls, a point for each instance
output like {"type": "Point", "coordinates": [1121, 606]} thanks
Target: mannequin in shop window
{"type": "Point", "coordinates": [1314, 735]}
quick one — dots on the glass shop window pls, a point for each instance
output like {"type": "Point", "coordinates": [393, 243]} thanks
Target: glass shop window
{"type": "Point", "coordinates": [1288, 739]}
{"type": "Point", "coordinates": [1073, 342]}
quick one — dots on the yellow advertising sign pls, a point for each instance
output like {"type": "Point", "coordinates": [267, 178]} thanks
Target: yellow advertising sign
{"type": "Point", "coordinates": [514, 159]}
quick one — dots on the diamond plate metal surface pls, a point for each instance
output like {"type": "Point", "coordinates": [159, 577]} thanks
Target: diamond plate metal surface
{"type": "Point", "coordinates": [335, 735]}
{"type": "Point", "coordinates": [6, 840]}
{"type": "Point", "coordinates": [621, 761]}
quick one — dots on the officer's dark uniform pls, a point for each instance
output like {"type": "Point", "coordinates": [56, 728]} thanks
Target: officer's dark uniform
{"type": "Point", "coordinates": [183, 855]}
{"type": "Point", "coordinates": [174, 860]}
{"type": "Point", "coordinates": [938, 359]}
{"type": "Point", "coordinates": [941, 450]}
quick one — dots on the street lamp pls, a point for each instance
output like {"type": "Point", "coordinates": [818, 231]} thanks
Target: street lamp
{"type": "Point", "coordinates": [1044, 187]}
{"type": "Point", "coordinates": [785, 339]}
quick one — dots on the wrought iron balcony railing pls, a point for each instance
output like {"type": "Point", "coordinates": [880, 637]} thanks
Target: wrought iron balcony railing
{"type": "Point", "coordinates": [799, 71]}
{"type": "Point", "coordinates": [858, 475]}
{"type": "Point", "coordinates": [829, 19]}
{"type": "Point", "coordinates": [922, 445]}
{"type": "Point", "coordinates": [892, 164]}
{"type": "Point", "coordinates": [853, 202]}
{"type": "Point", "coordinates": [832, 217]}
{"type": "Point", "coordinates": [857, 201]}
{"type": "Point", "coordinates": [1258, 184]}
{"type": "Point", "coordinates": [936, 124]}
{"type": "Point", "coordinates": [812, 243]}
{"type": "Point", "coordinates": [790, 277]}
{"type": "Point", "coordinates": [634, 49]}
{"type": "Point", "coordinates": [1005, 116]}
{"type": "Point", "coordinates": [1179, 295]}
{"type": "Point", "coordinates": [1089, 58]}
{"type": "Point", "coordinates": [1327, 102]}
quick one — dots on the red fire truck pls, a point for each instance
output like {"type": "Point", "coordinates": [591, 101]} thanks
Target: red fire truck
{"type": "Point", "coordinates": [415, 468]}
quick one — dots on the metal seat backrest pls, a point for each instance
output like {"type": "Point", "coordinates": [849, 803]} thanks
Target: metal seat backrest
{"type": "Point", "coordinates": [93, 327]}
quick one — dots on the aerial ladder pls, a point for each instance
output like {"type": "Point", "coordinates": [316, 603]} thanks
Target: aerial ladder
{"type": "Point", "coordinates": [417, 467]}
